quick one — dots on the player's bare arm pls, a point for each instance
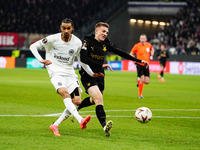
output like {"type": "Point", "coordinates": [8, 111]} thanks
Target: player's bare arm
{"type": "Point", "coordinates": [152, 53]}
{"type": "Point", "coordinates": [107, 66]}
{"type": "Point", "coordinates": [95, 75]}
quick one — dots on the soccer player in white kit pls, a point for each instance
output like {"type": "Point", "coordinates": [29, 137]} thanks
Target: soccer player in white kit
{"type": "Point", "coordinates": [61, 50]}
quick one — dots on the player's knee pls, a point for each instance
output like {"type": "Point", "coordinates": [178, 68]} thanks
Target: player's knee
{"type": "Point", "coordinates": [76, 100]}
{"type": "Point", "coordinates": [65, 95]}
{"type": "Point", "coordinates": [98, 99]}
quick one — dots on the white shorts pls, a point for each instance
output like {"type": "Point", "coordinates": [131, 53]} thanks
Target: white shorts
{"type": "Point", "coordinates": [70, 83]}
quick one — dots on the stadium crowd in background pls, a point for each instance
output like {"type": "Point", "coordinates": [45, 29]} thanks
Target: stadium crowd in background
{"type": "Point", "coordinates": [183, 34]}
{"type": "Point", "coordinates": [42, 16]}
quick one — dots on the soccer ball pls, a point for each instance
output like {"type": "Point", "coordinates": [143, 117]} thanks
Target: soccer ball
{"type": "Point", "coordinates": [143, 114]}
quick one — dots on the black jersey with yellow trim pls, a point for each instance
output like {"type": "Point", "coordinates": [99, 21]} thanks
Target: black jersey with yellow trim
{"type": "Point", "coordinates": [93, 53]}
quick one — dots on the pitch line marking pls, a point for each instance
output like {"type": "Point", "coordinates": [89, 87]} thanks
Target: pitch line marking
{"type": "Point", "coordinates": [109, 116]}
{"type": "Point", "coordinates": [117, 116]}
{"type": "Point", "coordinates": [151, 110]}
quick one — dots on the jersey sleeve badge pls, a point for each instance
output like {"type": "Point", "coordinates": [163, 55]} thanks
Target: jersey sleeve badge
{"type": "Point", "coordinates": [84, 46]}
{"type": "Point", "coordinates": [44, 40]}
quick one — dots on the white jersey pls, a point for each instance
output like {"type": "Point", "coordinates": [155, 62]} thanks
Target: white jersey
{"type": "Point", "coordinates": [60, 53]}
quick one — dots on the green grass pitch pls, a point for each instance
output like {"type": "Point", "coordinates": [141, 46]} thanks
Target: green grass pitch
{"type": "Point", "coordinates": [27, 95]}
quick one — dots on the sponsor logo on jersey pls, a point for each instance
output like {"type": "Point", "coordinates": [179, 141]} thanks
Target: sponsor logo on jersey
{"type": "Point", "coordinates": [44, 40]}
{"type": "Point", "coordinates": [147, 49]}
{"type": "Point", "coordinates": [97, 56]}
{"type": "Point", "coordinates": [61, 59]}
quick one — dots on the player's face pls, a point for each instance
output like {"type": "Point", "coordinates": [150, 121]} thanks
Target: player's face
{"type": "Point", "coordinates": [162, 47]}
{"type": "Point", "coordinates": [143, 39]}
{"type": "Point", "coordinates": [101, 33]}
{"type": "Point", "coordinates": [66, 30]}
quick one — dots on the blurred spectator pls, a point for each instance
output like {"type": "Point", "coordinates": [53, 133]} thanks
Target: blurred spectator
{"type": "Point", "coordinates": [183, 34]}
{"type": "Point", "coordinates": [42, 16]}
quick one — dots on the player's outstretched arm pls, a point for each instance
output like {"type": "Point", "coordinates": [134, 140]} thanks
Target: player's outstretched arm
{"type": "Point", "coordinates": [124, 54]}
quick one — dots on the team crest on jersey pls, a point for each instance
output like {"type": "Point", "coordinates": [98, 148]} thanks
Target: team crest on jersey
{"type": "Point", "coordinates": [44, 40]}
{"type": "Point", "coordinates": [104, 48]}
{"type": "Point", "coordinates": [71, 51]}
{"type": "Point", "coordinates": [147, 49]}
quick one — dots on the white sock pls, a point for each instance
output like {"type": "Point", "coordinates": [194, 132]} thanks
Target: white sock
{"type": "Point", "coordinates": [104, 128]}
{"type": "Point", "coordinates": [76, 106]}
{"type": "Point", "coordinates": [64, 116]}
{"type": "Point", "coordinates": [72, 109]}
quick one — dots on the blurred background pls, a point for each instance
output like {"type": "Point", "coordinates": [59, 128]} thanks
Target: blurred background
{"type": "Point", "coordinates": [176, 23]}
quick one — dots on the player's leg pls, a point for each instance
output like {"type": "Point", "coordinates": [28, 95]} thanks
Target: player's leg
{"type": "Point", "coordinates": [140, 86]}
{"type": "Point", "coordinates": [160, 75]}
{"type": "Point", "coordinates": [54, 127]}
{"type": "Point", "coordinates": [144, 79]}
{"type": "Point", "coordinates": [68, 103]}
{"type": "Point", "coordinates": [71, 107]}
{"type": "Point", "coordinates": [140, 83]}
{"type": "Point", "coordinates": [162, 71]}
{"type": "Point", "coordinates": [86, 102]}
{"type": "Point", "coordinates": [97, 97]}
{"type": "Point", "coordinates": [76, 99]}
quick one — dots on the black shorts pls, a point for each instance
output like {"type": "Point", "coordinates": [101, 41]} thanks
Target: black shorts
{"type": "Point", "coordinates": [163, 63]}
{"type": "Point", "coordinates": [142, 70]}
{"type": "Point", "coordinates": [88, 81]}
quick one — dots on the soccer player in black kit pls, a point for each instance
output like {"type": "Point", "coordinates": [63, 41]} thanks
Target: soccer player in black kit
{"type": "Point", "coordinates": [163, 55]}
{"type": "Point", "coordinates": [93, 52]}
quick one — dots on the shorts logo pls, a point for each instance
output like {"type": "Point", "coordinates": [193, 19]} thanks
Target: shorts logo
{"type": "Point", "coordinates": [71, 51]}
{"type": "Point", "coordinates": [59, 83]}
{"type": "Point", "coordinates": [88, 84]}
{"type": "Point", "coordinates": [44, 40]}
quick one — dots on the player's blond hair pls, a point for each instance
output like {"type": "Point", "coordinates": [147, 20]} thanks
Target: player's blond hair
{"type": "Point", "coordinates": [99, 24]}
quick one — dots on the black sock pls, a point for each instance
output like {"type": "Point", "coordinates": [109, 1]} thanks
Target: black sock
{"type": "Point", "coordinates": [85, 103]}
{"type": "Point", "coordinates": [161, 73]}
{"type": "Point", "coordinates": [101, 115]}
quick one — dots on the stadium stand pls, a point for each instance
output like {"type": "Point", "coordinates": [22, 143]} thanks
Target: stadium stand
{"type": "Point", "coordinates": [183, 34]}
{"type": "Point", "coordinates": [38, 18]}
{"type": "Point", "coordinates": [42, 16]}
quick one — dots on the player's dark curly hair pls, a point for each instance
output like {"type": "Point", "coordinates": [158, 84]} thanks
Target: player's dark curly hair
{"type": "Point", "coordinates": [67, 20]}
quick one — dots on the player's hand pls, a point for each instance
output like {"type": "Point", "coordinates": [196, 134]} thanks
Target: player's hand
{"type": "Point", "coordinates": [46, 62]}
{"type": "Point", "coordinates": [145, 63]}
{"type": "Point", "coordinates": [151, 57]}
{"type": "Point", "coordinates": [107, 66]}
{"type": "Point", "coordinates": [95, 75]}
